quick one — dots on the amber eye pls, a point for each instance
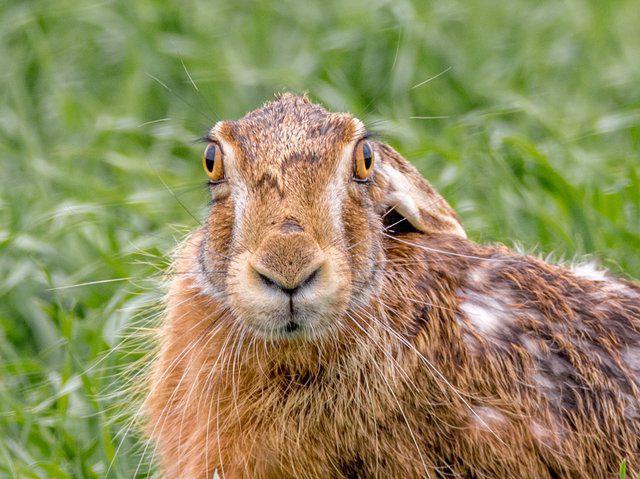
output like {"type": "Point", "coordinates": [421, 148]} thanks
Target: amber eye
{"type": "Point", "coordinates": [363, 159]}
{"type": "Point", "coordinates": [212, 161]}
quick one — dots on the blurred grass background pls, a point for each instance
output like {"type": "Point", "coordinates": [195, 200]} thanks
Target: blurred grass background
{"type": "Point", "coordinates": [535, 141]}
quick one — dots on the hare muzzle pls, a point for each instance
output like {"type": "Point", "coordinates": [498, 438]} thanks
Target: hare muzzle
{"type": "Point", "coordinates": [288, 286]}
{"type": "Point", "coordinates": [288, 263]}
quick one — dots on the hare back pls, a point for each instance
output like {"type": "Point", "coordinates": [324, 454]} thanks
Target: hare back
{"type": "Point", "coordinates": [546, 358]}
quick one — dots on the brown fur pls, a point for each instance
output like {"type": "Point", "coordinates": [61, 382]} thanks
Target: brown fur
{"type": "Point", "coordinates": [434, 357]}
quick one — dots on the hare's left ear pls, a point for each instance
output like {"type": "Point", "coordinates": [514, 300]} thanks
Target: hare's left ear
{"type": "Point", "coordinates": [408, 201]}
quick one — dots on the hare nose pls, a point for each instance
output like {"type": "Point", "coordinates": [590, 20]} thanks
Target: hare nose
{"type": "Point", "coordinates": [287, 261]}
{"type": "Point", "coordinates": [273, 280]}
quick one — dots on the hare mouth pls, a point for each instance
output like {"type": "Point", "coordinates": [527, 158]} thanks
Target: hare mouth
{"type": "Point", "coordinates": [289, 330]}
{"type": "Point", "coordinates": [291, 327]}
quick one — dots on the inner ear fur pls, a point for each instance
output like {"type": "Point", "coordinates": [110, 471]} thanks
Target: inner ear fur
{"type": "Point", "coordinates": [406, 194]}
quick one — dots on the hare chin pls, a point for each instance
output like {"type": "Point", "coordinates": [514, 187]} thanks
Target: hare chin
{"type": "Point", "coordinates": [290, 331]}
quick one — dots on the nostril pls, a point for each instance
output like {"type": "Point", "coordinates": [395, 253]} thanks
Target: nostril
{"type": "Point", "coordinates": [309, 279]}
{"type": "Point", "coordinates": [271, 283]}
{"type": "Point", "coordinates": [267, 281]}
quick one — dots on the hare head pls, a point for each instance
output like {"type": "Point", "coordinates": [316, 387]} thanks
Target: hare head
{"type": "Point", "coordinates": [302, 201]}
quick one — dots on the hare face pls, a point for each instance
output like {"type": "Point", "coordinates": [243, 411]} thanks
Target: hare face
{"type": "Point", "coordinates": [296, 231]}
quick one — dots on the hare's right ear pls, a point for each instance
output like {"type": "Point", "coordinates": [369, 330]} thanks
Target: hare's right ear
{"type": "Point", "coordinates": [408, 197]}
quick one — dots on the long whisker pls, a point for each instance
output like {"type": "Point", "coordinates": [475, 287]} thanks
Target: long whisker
{"type": "Point", "coordinates": [450, 253]}
{"type": "Point", "coordinates": [431, 78]}
{"type": "Point", "coordinates": [89, 283]}
{"type": "Point", "coordinates": [184, 67]}
{"type": "Point", "coordinates": [165, 373]}
{"type": "Point", "coordinates": [172, 193]}
{"type": "Point", "coordinates": [368, 107]}
{"type": "Point", "coordinates": [166, 87]}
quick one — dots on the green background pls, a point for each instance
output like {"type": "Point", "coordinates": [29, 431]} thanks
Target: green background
{"type": "Point", "coordinates": [535, 143]}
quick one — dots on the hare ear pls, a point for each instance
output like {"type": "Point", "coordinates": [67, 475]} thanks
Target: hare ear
{"type": "Point", "coordinates": [408, 196]}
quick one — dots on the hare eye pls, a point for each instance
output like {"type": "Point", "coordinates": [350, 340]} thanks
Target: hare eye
{"type": "Point", "coordinates": [212, 162]}
{"type": "Point", "coordinates": [363, 159]}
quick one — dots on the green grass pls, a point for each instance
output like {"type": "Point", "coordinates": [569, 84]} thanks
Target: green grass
{"type": "Point", "coordinates": [540, 147]}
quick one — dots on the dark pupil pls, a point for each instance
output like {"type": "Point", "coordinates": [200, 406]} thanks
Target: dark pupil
{"type": "Point", "coordinates": [209, 157]}
{"type": "Point", "coordinates": [366, 153]}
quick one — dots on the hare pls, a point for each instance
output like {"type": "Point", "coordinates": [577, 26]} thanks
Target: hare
{"type": "Point", "coordinates": [332, 320]}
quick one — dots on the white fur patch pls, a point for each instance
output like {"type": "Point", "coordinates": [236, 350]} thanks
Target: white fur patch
{"type": "Point", "coordinates": [487, 418]}
{"type": "Point", "coordinates": [334, 197]}
{"type": "Point", "coordinates": [589, 271]}
{"type": "Point", "coordinates": [484, 319]}
{"type": "Point", "coordinates": [631, 356]}
{"type": "Point", "coordinates": [240, 198]}
{"type": "Point", "coordinates": [485, 313]}
{"type": "Point", "coordinates": [478, 276]}
{"type": "Point", "coordinates": [545, 435]}
{"type": "Point", "coordinates": [544, 381]}
{"type": "Point", "coordinates": [532, 346]}
{"type": "Point", "coordinates": [540, 432]}
{"type": "Point", "coordinates": [358, 126]}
